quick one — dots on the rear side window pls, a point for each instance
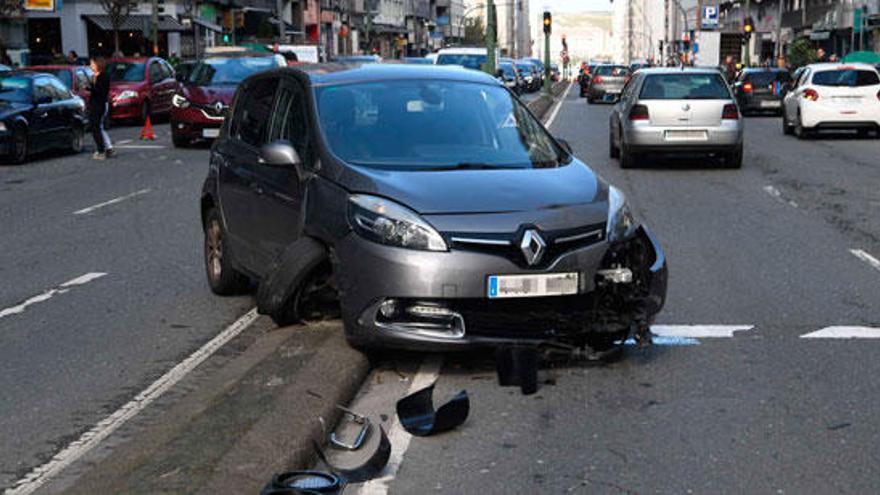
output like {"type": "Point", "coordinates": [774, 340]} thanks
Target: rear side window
{"type": "Point", "coordinates": [767, 78]}
{"type": "Point", "coordinates": [253, 112]}
{"type": "Point", "coordinates": [684, 87]}
{"type": "Point", "coordinates": [846, 78]}
{"type": "Point", "coordinates": [612, 70]}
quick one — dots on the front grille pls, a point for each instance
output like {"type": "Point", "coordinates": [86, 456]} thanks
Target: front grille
{"type": "Point", "coordinates": [527, 318]}
{"type": "Point", "coordinates": [507, 245]}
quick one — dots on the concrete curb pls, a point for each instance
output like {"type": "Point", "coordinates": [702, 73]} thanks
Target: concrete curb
{"type": "Point", "coordinates": [243, 420]}
{"type": "Point", "coordinates": [543, 103]}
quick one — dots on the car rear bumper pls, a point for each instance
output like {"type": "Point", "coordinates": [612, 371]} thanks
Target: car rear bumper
{"type": "Point", "coordinates": [820, 116]}
{"type": "Point", "coordinates": [761, 103]}
{"type": "Point", "coordinates": [659, 138]}
{"type": "Point", "coordinates": [369, 274]}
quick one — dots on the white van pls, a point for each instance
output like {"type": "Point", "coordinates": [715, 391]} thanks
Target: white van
{"type": "Point", "coordinates": [467, 57]}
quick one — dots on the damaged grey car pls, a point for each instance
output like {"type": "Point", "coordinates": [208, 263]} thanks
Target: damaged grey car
{"type": "Point", "coordinates": [429, 206]}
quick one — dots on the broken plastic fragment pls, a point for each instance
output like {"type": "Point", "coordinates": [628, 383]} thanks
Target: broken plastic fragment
{"type": "Point", "coordinates": [366, 471]}
{"type": "Point", "coordinates": [518, 366]}
{"type": "Point", "coordinates": [417, 415]}
{"type": "Point", "coordinates": [303, 483]}
{"type": "Point", "coordinates": [363, 431]}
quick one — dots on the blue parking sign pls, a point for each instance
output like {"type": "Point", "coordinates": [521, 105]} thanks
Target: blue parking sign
{"type": "Point", "coordinates": [710, 16]}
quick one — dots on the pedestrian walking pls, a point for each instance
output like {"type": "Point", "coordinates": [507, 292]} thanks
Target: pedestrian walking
{"type": "Point", "coordinates": [99, 107]}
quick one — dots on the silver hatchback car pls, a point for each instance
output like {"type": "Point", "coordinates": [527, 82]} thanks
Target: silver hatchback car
{"type": "Point", "coordinates": [676, 110]}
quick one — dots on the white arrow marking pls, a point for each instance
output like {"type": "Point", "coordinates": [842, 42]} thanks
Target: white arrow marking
{"type": "Point", "coordinates": [699, 331]}
{"type": "Point", "coordinates": [844, 332]}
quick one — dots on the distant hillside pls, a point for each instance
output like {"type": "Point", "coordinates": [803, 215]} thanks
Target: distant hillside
{"type": "Point", "coordinates": [588, 34]}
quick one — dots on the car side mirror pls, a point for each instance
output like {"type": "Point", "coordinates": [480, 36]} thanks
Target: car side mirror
{"type": "Point", "coordinates": [565, 145]}
{"type": "Point", "coordinates": [279, 154]}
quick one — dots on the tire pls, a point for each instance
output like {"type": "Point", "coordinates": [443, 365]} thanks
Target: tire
{"type": "Point", "coordinates": [77, 136]}
{"type": "Point", "coordinates": [18, 152]}
{"type": "Point", "coordinates": [302, 270]}
{"type": "Point", "coordinates": [223, 279]}
{"type": "Point", "coordinates": [734, 159]}
{"type": "Point", "coordinates": [177, 140]}
{"type": "Point", "coordinates": [613, 151]}
{"type": "Point", "coordinates": [799, 130]}
{"type": "Point", "coordinates": [627, 157]}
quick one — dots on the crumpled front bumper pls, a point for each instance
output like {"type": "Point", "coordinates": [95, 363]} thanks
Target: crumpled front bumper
{"type": "Point", "coordinates": [369, 274]}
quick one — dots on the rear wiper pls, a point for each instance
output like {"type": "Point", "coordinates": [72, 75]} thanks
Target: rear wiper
{"type": "Point", "coordinates": [470, 166]}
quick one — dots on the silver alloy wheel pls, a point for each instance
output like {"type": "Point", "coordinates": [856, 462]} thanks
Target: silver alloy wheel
{"type": "Point", "coordinates": [214, 250]}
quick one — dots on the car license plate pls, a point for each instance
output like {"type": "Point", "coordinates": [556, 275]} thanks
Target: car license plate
{"type": "Point", "coordinates": [210, 133]}
{"type": "Point", "coordinates": [686, 135]}
{"type": "Point", "coordinates": [540, 285]}
{"type": "Point", "coordinates": [770, 104]}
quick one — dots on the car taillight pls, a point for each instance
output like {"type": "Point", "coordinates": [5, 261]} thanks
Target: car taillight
{"type": "Point", "coordinates": [811, 94]}
{"type": "Point", "coordinates": [638, 112]}
{"type": "Point", "coordinates": [597, 79]}
{"type": "Point", "coordinates": [730, 112]}
{"type": "Point", "coordinates": [747, 87]}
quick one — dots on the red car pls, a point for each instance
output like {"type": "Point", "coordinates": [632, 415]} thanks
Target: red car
{"type": "Point", "coordinates": [199, 107]}
{"type": "Point", "coordinates": [77, 78]}
{"type": "Point", "coordinates": [140, 87]}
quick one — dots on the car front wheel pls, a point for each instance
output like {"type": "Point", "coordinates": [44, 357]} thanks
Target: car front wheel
{"type": "Point", "coordinates": [799, 130]}
{"type": "Point", "coordinates": [222, 277]}
{"type": "Point", "coordinates": [734, 159]}
{"type": "Point", "coordinates": [18, 151]}
{"type": "Point", "coordinates": [76, 139]}
{"type": "Point", "coordinates": [613, 151]}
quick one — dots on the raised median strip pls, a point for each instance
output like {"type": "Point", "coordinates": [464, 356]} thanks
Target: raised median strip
{"type": "Point", "coordinates": [237, 422]}
{"type": "Point", "coordinates": [542, 104]}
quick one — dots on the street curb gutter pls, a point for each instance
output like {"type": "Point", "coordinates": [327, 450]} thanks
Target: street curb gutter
{"type": "Point", "coordinates": [539, 106]}
{"type": "Point", "coordinates": [251, 416]}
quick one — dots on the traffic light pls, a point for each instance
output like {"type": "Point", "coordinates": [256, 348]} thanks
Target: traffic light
{"type": "Point", "coordinates": [748, 26]}
{"type": "Point", "coordinates": [225, 38]}
{"type": "Point", "coordinates": [548, 23]}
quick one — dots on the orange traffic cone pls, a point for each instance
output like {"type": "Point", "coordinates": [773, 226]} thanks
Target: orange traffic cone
{"type": "Point", "coordinates": [147, 131]}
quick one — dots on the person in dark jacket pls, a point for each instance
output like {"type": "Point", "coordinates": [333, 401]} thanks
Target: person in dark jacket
{"type": "Point", "coordinates": [99, 107]}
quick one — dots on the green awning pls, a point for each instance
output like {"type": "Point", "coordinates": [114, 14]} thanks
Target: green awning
{"type": "Point", "coordinates": [864, 57]}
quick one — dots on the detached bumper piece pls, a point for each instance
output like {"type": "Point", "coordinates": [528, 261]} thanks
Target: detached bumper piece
{"type": "Point", "coordinates": [417, 415]}
{"type": "Point", "coordinates": [518, 366]}
{"type": "Point", "coordinates": [374, 464]}
{"type": "Point", "coordinates": [304, 483]}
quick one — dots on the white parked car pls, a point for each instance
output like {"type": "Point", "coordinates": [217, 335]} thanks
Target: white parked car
{"type": "Point", "coordinates": [833, 96]}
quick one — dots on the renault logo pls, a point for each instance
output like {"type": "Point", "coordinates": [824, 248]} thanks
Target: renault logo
{"type": "Point", "coordinates": [219, 106]}
{"type": "Point", "coordinates": [532, 246]}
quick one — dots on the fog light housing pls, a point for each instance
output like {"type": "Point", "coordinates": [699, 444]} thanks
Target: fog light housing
{"type": "Point", "coordinates": [388, 308]}
{"type": "Point", "coordinates": [617, 275]}
{"type": "Point", "coordinates": [430, 311]}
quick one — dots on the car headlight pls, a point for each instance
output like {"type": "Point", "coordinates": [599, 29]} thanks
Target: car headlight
{"type": "Point", "coordinates": [179, 101]}
{"type": "Point", "coordinates": [386, 222]}
{"type": "Point", "coordinates": [128, 94]}
{"type": "Point", "coordinates": [2, 127]}
{"type": "Point", "coordinates": [621, 223]}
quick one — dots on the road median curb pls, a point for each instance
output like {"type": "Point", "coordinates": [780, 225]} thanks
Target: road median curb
{"type": "Point", "coordinates": [230, 434]}
{"type": "Point", "coordinates": [542, 104]}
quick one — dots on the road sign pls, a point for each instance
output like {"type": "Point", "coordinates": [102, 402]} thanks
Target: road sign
{"type": "Point", "coordinates": [710, 17]}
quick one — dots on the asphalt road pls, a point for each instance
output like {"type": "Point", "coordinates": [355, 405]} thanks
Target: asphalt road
{"type": "Point", "coordinates": [763, 410]}
{"type": "Point", "coordinates": [70, 355]}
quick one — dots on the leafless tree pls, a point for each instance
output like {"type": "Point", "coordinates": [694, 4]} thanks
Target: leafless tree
{"type": "Point", "coordinates": [118, 11]}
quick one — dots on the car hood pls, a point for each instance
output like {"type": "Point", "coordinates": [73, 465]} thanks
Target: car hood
{"type": "Point", "coordinates": [9, 108]}
{"type": "Point", "coordinates": [482, 191]}
{"type": "Point", "coordinates": [117, 87]}
{"type": "Point", "coordinates": [209, 94]}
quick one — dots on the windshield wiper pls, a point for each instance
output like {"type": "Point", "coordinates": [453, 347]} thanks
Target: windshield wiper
{"type": "Point", "coordinates": [471, 166]}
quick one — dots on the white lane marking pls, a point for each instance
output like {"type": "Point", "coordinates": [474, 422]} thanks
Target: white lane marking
{"type": "Point", "coordinates": [867, 258]}
{"type": "Point", "coordinates": [90, 439]}
{"type": "Point", "coordinates": [124, 141]}
{"type": "Point", "coordinates": [427, 374]}
{"type": "Point", "coordinates": [141, 146]}
{"type": "Point", "coordinates": [699, 331]}
{"type": "Point", "coordinates": [776, 194]}
{"type": "Point", "coordinates": [49, 294]}
{"type": "Point", "coordinates": [662, 340]}
{"type": "Point", "coordinates": [558, 106]}
{"type": "Point", "coordinates": [844, 332]}
{"type": "Point", "coordinates": [111, 202]}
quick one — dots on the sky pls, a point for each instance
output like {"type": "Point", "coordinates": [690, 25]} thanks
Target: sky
{"type": "Point", "coordinates": [570, 5]}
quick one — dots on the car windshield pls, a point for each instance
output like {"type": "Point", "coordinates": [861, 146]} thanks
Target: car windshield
{"type": "Point", "coordinates": [15, 89]}
{"type": "Point", "coordinates": [228, 71]}
{"type": "Point", "coordinates": [507, 68]}
{"type": "Point", "coordinates": [766, 78]}
{"type": "Point", "coordinates": [612, 70]}
{"type": "Point", "coordinates": [62, 74]}
{"type": "Point", "coordinates": [126, 71]}
{"type": "Point", "coordinates": [846, 77]}
{"type": "Point", "coordinates": [433, 125]}
{"type": "Point", "coordinates": [684, 87]}
{"type": "Point", "coordinates": [468, 60]}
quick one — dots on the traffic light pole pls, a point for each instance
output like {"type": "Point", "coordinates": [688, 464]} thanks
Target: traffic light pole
{"type": "Point", "coordinates": [547, 81]}
{"type": "Point", "coordinates": [491, 20]}
{"type": "Point", "coordinates": [154, 21]}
